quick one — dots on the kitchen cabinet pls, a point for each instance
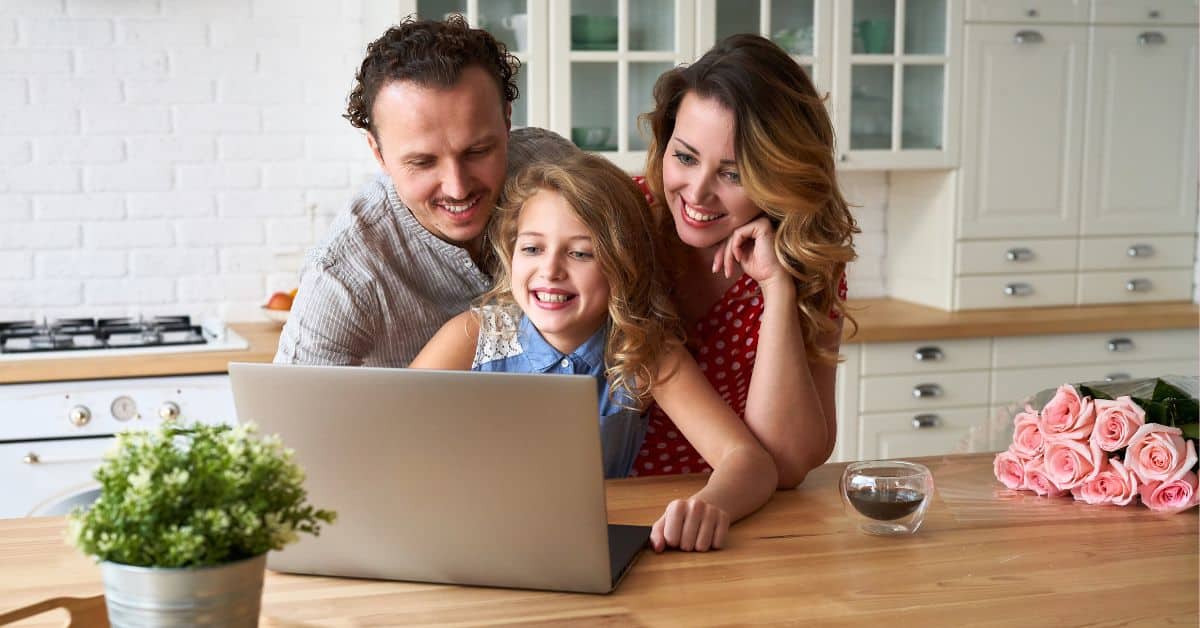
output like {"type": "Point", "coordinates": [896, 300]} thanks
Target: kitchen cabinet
{"type": "Point", "coordinates": [940, 396]}
{"type": "Point", "coordinates": [1078, 169]}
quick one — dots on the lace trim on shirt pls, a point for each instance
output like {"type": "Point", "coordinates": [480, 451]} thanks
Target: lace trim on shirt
{"type": "Point", "coordinates": [499, 327]}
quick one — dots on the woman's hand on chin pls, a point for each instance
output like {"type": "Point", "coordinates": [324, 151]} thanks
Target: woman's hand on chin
{"type": "Point", "coordinates": [751, 247]}
{"type": "Point", "coordinates": [690, 525]}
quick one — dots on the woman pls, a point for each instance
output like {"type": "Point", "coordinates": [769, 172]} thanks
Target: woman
{"type": "Point", "coordinates": [741, 166]}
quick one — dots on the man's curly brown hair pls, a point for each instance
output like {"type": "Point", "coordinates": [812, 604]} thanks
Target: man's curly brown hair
{"type": "Point", "coordinates": [429, 53]}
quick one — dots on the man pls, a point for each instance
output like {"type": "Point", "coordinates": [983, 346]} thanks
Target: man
{"type": "Point", "coordinates": [435, 100]}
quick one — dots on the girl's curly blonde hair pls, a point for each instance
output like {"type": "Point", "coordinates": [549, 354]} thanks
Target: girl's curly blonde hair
{"type": "Point", "coordinates": [643, 324]}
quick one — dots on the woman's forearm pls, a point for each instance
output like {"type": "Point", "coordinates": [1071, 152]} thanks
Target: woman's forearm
{"type": "Point", "coordinates": [741, 482]}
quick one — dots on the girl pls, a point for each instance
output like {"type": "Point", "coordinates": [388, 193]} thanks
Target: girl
{"type": "Point", "coordinates": [581, 291]}
{"type": "Point", "coordinates": [741, 165]}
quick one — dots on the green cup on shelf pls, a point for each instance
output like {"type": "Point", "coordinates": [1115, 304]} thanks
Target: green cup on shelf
{"type": "Point", "coordinates": [594, 32]}
{"type": "Point", "coordinates": [876, 36]}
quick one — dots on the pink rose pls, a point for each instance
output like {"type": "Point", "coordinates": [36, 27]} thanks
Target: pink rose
{"type": "Point", "coordinates": [1071, 462]}
{"type": "Point", "coordinates": [1037, 481]}
{"type": "Point", "coordinates": [1027, 436]}
{"type": "Point", "coordinates": [1009, 469]}
{"type": "Point", "coordinates": [1173, 496]}
{"type": "Point", "coordinates": [1157, 453]}
{"type": "Point", "coordinates": [1067, 415]}
{"type": "Point", "coordinates": [1115, 484]}
{"type": "Point", "coordinates": [1116, 422]}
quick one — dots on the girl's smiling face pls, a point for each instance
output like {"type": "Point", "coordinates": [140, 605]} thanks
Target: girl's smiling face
{"type": "Point", "coordinates": [700, 174]}
{"type": "Point", "coordinates": [556, 279]}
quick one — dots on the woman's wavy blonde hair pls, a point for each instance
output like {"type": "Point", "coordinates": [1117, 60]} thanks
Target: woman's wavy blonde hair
{"type": "Point", "coordinates": [783, 144]}
{"type": "Point", "coordinates": [643, 324]}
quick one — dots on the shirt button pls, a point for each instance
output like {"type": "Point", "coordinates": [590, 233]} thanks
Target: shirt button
{"type": "Point", "coordinates": [565, 363]}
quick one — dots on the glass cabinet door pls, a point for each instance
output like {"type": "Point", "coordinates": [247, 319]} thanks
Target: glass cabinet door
{"type": "Point", "coordinates": [610, 53]}
{"type": "Point", "coordinates": [520, 25]}
{"type": "Point", "coordinates": [896, 70]}
{"type": "Point", "coordinates": [804, 28]}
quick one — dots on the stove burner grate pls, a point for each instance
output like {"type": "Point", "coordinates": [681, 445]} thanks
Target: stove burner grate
{"type": "Point", "coordinates": [76, 334]}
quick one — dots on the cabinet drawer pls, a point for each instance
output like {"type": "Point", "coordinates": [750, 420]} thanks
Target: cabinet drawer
{"type": "Point", "coordinates": [1134, 286]}
{"type": "Point", "coordinates": [946, 390]}
{"type": "Point", "coordinates": [1016, 256]}
{"type": "Point", "coordinates": [1136, 252]}
{"type": "Point", "coordinates": [907, 434]}
{"type": "Point", "coordinates": [1098, 348]}
{"type": "Point", "coordinates": [1031, 11]}
{"type": "Point", "coordinates": [926, 356]}
{"type": "Point", "coordinates": [38, 475]}
{"type": "Point", "coordinates": [1014, 385]}
{"type": "Point", "coordinates": [1026, 291]}
{"type": "Point", "coordinates": [1144, 12]}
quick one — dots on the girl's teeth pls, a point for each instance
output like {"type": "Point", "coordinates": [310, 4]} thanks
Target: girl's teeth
{"type": "Point", "coordinates": [551, 298]}
{"type": "Point", "coordinates": [695, 215]}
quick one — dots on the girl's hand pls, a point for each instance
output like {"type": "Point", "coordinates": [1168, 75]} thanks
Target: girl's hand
{"type": "Point", "coordinates": [751, 247]}
{"type": "Point", "coordinates": [690, 525]}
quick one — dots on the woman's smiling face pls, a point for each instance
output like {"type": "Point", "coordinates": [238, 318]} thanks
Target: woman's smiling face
{"type": "Point", "coordinates": [700, 174]}
{"type": "Point", "coordinates": [556, 279]}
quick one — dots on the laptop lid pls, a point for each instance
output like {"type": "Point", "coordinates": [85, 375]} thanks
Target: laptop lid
{"type": "Point", "coordinates": [488, 479]}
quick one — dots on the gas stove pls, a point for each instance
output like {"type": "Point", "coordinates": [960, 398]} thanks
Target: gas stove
{"type": "Point", "coordinates": [90, 337]}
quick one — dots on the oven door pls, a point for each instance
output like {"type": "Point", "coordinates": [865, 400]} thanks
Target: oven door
{"type": "Point", "coordinates": [49, 478]}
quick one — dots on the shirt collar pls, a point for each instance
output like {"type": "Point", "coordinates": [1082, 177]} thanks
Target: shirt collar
{"type": "Point", "coordinates": [543, 356]}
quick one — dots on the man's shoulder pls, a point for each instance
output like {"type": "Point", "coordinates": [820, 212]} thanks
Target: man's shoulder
{"type": "Point", "coordinates": [368, 222]}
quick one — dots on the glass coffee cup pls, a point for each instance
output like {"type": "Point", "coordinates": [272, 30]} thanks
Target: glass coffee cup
{"type": "Point", "coordinates": [886, 497]}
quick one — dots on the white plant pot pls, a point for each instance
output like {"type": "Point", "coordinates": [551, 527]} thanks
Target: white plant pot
{"type": "Point", "coordinates": [222, 595]}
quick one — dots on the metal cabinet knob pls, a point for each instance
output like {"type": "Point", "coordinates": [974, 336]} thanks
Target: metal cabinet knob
{"type": "Point", "coordinates": [1117, 377]}
{"type": "Point", "coordinates": [1140, 250]}
{"type": "Point", "coordinates": [80, 416]}
{"type": "Point", "coordinates": [31, 458]}
{"type": "Point", "coordinates": [926, 391]}
{"type": "Point", "coordinates": [928, 354]}
{"type": "Point", "coordinates": [1028, 37]}
{"type": "Point", "coordinates": [1018, 254]}
{"type": "Point", "coordinates": [1019, 289]}
{"type": "Point", "coordinates": [1031, 13]}
{"type": "Point", "coordinates": [1118, 345]}
{"type": "Point", "coordinates": [1138, 285]}
{"type": "Point", "coordinates": [1151, 38]}
{"type": "Point", "coordinates": [1154, 14]}
{"type": "Point", "coordinates": [169, 411]}
{"type": "Point", "coordinates": [926, 421]}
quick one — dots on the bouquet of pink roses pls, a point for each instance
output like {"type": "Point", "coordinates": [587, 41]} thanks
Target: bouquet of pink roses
{"type": "Point", "coordinates": [1104, 447]}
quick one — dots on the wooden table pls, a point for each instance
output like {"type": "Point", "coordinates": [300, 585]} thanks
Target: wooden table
{"type": "Point", "coordinates": [986, 556]}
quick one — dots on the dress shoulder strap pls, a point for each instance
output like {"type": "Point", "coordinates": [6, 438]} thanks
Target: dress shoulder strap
{"type": "Point", "coordinates": [499, 333]}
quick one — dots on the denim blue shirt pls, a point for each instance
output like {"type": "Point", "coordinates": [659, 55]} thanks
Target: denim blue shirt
{"type": "Point", "coordinates": [509, 343]}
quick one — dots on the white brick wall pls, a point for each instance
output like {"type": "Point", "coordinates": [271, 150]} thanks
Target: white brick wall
{"type": "Point", "coordinates": [170, 155]}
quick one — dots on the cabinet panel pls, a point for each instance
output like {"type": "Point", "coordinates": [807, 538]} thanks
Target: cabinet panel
{"type": "Point", "coordinates": [62, 468]}
{"type": "Point", "coordinates": [1022, 146]}
{"type": "Point", "coordinates": [1140, 176]}
{"type": "Point", "coordinates": [1010, 386]}
{"type": "Point", "coordinates": [897, 435]}
{"type": "Point", "coordinates": [1019, 291]}
{"type": "Point", "coordinates": [1133, 252]}
{"type": "Point", "coordinates": [898, 392]}
{"type": "Point", "coordinates": [1144, 11]}
{"type": "Point", "coordinates": [989, 257]}
{"type": "Point", "coordinates": [1135, 286]}
{"type": "Point", "coordinates": [935, 356]}
{"type": "Point", "coordinates": [1099, 348]}
{"type": "Point", "coordinates": [1030, 11]}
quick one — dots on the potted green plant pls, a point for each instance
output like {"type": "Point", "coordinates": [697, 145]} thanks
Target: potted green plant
{"type": "Point", "coordinates": [184, 521]}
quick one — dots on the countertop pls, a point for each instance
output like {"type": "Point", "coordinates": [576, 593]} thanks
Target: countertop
{"type": "Point", "coordinates": [879, 320]}
{"type": "Point", "coordinates": [986, 556]}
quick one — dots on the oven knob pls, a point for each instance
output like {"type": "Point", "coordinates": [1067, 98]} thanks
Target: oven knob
{"type": "Point", "coordinates": [80, 416]}
{"type": "Point", "coordinates": [169, 411]}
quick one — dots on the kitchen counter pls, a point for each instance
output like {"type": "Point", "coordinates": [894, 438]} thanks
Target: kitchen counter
{"type": "Point", "coordinates": [879, 320]}
{"type": "Point", "coordinates": [986, 556]}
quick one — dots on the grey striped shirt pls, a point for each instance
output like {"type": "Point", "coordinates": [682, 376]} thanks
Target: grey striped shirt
{"type": "Point", "coordinates": [377, 288]}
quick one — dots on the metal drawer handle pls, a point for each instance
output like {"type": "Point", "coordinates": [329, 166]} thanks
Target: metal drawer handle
{"type": "Point", "coordinates": [1117, 377]}
{"type": "Point", "coordinates": [1018, 289]}
{"type": "Point", "coordinates": [1154, 14]}
{"type": "Point", "coordinates": [928, 354]}
{"type": "Point", "coordinates": [926, 391]}
{"type": "Point", "coordinates": [1018, 254]}
{"type": "Point", "coordinates": [1151, 38]}
{"type": "Point", "coordinates": [31, 458]}
{"type": "Point", "coordinates": [926, 421]}
{"type": "Point", "coordinates": [1117, 345]}
{"type": "Point", "coordinates": [1028, 37]}
{"type": "Point", "coordinates": [1138, 285]}
{"type": "Point", "coordinates": [1140, 250]}
{"type": "Point", "coordinates": [1031, 13]}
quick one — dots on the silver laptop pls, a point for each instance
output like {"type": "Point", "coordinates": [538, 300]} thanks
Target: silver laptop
{"type": "Point", "coordinates": [490, 479]}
